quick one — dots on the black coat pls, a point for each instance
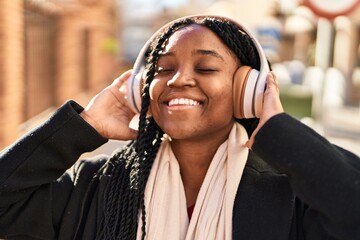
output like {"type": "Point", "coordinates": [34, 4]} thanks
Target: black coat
{"type": "Point", "coordinates": [295, 185]}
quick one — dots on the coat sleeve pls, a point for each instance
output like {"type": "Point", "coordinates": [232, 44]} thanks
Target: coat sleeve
{"type": "Point", "coordinates": [325, 177]}
{"type": "Point", "coordinates": [34, 187]}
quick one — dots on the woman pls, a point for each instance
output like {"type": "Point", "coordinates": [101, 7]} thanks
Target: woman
{"type": "Point", "coordinates": [191, 171]}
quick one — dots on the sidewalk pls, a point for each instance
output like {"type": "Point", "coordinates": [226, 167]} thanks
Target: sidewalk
{"type": "Point", "coordinates": [342, 127]}
{"type": "Point", "coordinates": [352, 145]}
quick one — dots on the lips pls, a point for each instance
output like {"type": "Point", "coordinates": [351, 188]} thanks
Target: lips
{"type": "Point", "coordinates": [183, 102]}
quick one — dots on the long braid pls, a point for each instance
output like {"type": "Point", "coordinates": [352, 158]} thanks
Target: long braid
{"type": "Point", "coordinates": [117, 188]}
{"type": "Point", "coordinates": [128, 170]}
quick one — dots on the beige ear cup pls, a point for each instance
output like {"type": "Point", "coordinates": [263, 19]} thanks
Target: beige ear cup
{"type": "Point", "coordinates": [244, 84]}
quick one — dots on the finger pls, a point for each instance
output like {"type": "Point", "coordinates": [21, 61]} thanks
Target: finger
{"type": "Point", "coordinates": [122, 78]}
{"type": "Point", "coordinates": [123, 88]}
{"type": "Point", "coordinates": [271, 82]}
{"type": "Point", "coordinates": [274, 77]}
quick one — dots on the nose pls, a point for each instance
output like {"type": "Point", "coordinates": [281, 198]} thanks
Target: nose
{"type": "Point", "coordinates": [181, 79]}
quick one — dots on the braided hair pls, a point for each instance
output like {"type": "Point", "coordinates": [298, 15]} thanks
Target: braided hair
{"type": "Point", "coordinates": [127, 171]}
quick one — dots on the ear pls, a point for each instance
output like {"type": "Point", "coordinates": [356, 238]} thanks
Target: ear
{"type": "Point", "coordinates": [244, 85]}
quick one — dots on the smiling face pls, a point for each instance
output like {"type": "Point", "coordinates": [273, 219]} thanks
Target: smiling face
{"type": "Point", "coordinates": [191, 94]}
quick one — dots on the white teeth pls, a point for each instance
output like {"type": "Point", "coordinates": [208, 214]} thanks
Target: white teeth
{"type": "Point", "coordinates": [183, 101]}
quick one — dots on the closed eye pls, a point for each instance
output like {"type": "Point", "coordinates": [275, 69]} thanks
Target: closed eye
{"type": "Point", "coordinates": [161, 70]}
{"type": "Point", "coordinates": [206, 70]}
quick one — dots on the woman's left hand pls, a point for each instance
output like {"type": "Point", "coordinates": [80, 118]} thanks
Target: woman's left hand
{"type": "Point", "coordinates": [271, 105]}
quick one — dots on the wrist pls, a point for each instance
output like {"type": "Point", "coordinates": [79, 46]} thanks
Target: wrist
{"type": "Point", "coordinates": [91, 121]}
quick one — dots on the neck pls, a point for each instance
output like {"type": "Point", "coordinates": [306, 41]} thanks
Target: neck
{"type": "Point", "coordinates": [194, 157]}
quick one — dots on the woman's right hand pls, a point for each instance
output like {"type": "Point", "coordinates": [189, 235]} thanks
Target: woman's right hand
{"type": "Point", "coordinates": [108, 112]}
{"type": "Point", "coordinates": [271, 106]}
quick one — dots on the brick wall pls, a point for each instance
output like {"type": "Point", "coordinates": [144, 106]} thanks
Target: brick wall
{"type": "Point", "coordinates": [39, 47]}
{"type": "Point", "coordinates": [48, 56]}
{"type": "Point", "coordinates": [82, 62]}
{"type": "Point", "coordinates": [11, 69]}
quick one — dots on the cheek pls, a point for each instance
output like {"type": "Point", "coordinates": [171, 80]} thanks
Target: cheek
{"type": "Point", "coordinates": [152, 110]}
{"type": "Point", "coordinates": [223, 93]}
{"type": "Point", "coordinates": [228, 101]}
{"type": "Point", "coordinates": [154, 89]}
{"type": "Point", "coordinates": [224, 101]}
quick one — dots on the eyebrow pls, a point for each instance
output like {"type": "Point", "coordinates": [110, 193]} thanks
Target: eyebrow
{"type": "Point", "coordinates": [198, 51]}
{"type": "Point", "coordinates": [208, 52]}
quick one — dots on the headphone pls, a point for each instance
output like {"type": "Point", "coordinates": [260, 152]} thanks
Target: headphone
{"type": "Point", "coordinates": [248, 83]}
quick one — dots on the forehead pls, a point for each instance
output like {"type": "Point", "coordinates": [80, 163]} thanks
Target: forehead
{"type": "Point", "coordinates": [195, 35]}
{"type": "Point", "coordinates": [192, 30]}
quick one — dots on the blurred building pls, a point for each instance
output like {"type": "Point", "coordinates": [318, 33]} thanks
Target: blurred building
{"type": "Point", "coordinates": [51, 51]}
